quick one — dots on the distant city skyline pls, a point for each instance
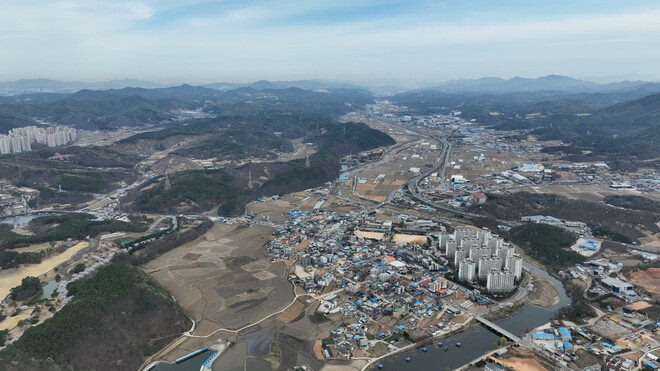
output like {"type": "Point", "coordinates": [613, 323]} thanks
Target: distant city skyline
{"type": "Point", "coordinates": [200, 41]}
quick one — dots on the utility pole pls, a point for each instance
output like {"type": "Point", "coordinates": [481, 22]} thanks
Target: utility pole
{"type": "Point", "coordinates": [168, 185]}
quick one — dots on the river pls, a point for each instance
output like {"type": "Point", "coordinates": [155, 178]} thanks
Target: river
{"type": "Point", "coordinates": [22, 219]}
{"type": "Point", "coordinates": [192, 364]}
{"type": "Point", "coordinates": [477, 341]}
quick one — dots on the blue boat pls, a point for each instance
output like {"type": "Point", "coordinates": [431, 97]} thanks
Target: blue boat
{"type": "Point", "coordinates": [458, 344]}
{"type": "Point", "coordinates": [425, 349]}
{"type": "Point", "coordinates": [407, 359]}
{"type": "Point", "coordinates": [439, 343]}
{"type": "Point", "coordinates": [380, 365]}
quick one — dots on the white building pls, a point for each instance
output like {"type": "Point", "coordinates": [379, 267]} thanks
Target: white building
{"type": "Point", "coordinates": [459, 256]}
{"type": "Point", "coordinates": [466, 270]}
{"type": "Point", "coordinates": [21, 139]}
{"type": "Point", "coordinates": [487, 265]}
{"type": "Point", "coordinates": [477, 253]}
{"type": "Point", "coordinates": [514, 265]}
{"type": "Point", "coordinates": [500, 281]}
{"type": "Point", "coordinates": [441, 283]}
{"type": "Point", "coordinates": [531, 168]}
{"type": "Point", "coordinates": [451, 249]}
{"type": "Point", "coordinates": [505, 252]}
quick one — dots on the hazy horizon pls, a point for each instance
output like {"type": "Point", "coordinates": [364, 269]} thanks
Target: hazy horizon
{"type": "Point", "coordinates": [416, 41]}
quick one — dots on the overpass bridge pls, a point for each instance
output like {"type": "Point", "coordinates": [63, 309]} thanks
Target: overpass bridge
{"type": "Point", "coordinates": [498, 329]}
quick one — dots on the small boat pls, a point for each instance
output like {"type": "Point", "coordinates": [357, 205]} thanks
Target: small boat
{"type": "Point", "coordinates": [458, 344]}
{"type": "Point", "coordinates": [380, 365]}
{"type": "Point", "coordinates": [407, 359]}
{"type": "Point", "coordinates": [446, 348]}
{"type": "Point", "coordinates": [425, 349]}
{"type": "Point", "coordinates": [439, 343]}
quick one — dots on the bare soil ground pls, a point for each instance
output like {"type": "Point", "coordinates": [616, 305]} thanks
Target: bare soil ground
{"type": "Point", "coordinates": [292, 312]}
{"type": "Point", "coordinates": [396, 172]}
{"type": "Point", "coordinates": [318, 350]}
{"type": "Point", "coordinates": [224, 277]}
{"type": "Point", "coordinates": [648, 279]}
{"type": "Point", "coordinates": [609, 329]}
{"type": "Point", "coordinates": [493, 163]}
{"type": "Point", "coordinates": [543, 294]}
{"type": "Point", "coordinates": [408, 238]}
{"type": "Point", "coordinates": [519, 360]}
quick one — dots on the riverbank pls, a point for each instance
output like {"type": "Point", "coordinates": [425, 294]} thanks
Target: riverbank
{"type": "Point", "coordinates": [543, 294]}
{"type": "Point", "coordinates": [505, 312]}
{"type": "Point", "coordinates": [465, 325]}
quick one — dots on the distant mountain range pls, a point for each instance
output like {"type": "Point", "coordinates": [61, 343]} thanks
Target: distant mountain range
{"type": "Point", "coordinates": [521, 84]}
{"type": "Point", "coordinates": [26, 86]}
{"type": "Point", "coordinates": [31, 86]}
{"type": "Point", "coordinates": [492, 85]}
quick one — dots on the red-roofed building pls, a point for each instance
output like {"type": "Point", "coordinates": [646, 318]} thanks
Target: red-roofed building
{"type": "Point", "coordinates": [481, 198]}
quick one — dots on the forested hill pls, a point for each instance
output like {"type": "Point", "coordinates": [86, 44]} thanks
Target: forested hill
{"type": "Point", "coordinates": [121, 306]}
{"type": "Point", "coordinates": [198, 190]}
{"type": "Point", "coordinates": [110, 109]}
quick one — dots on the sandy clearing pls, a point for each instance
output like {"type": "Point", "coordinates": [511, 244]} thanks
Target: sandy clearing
{"type": "Point", "coordinates": [370, 235]}
{"type": "Point", "coordinates": [318, 353]}
{"type": "Point", "coordinates": [13, 277]}
{"type": "Point", "coordinates": [544, 294]}
{"type": "Point", "coordinates": [520, 364]}
{"type": "Point", "coordinates": [640, 305]}
{"type": "Point", "coordinates": [648, 279]}
{"type": "Point", "coordinates": [409, 238]}
{"type": "Point", "coordinates": [11, 322]}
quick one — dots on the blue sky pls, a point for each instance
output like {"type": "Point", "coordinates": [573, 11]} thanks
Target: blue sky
{"type": "Point", "coordinates": [409, 41]}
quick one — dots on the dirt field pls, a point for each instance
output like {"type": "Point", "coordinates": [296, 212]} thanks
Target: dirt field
{"type": "Point", "coordinates": [493, 162]}
{"type": "Point", "coordinates": [519, 360]}
{"type": "Point", "coordinates": [588, 192]}
{"type": "Point", "coordinates": [409, 238]}
{"type": "Point", "coordinates": [385, 178]}
{"type": "Point", "coordinates": [543, 294]}
{"type": "Point", "coordinates": [609, 329]}
{"type": "Point", "coordinates": [224, 277]}
{"type": "Point", "coordinates": [370, 235]}
{"type": "Point", "coordinates": [11, 322]}
{"type": "Point", "coordinates": [648, 279]}
{"type": "Point", "coordinates": [293, 312]}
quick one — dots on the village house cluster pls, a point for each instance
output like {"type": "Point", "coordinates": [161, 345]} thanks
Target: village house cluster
{"type": "Point", "coordinates": [380, 279]}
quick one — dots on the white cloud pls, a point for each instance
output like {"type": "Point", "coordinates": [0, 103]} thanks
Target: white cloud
{"type": "Point", "coordinates": [97, 40]}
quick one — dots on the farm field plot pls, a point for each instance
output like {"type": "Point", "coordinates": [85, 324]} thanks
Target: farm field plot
{"type": "Point", "coordinates": [224, 277]}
